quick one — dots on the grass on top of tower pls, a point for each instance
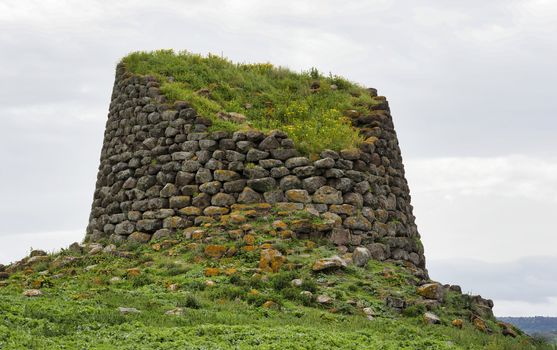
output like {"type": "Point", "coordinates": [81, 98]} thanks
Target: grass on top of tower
{"type": "Point", "coordinates": [309, 106]}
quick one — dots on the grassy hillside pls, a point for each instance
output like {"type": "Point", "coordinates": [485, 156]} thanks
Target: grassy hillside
{"type": "Point", "coordinates": [227, 285]}
{"type": "Point", "coordinates": [310, 107]}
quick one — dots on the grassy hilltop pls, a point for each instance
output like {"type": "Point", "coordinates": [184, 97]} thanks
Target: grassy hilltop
{"type": "Point", "coordinates": [246, 280]}
{"type": "Point", "coordinates": [308, 106]}
{"type": "Point", "coordinates": [240, 283]}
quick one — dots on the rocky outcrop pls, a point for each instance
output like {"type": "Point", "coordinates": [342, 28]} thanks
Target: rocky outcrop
{"type": "Point", "coordinates": [164, 169]}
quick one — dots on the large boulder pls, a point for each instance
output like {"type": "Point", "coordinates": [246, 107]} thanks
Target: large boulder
{"type": "Point", "coordinates": [334, 262]}
{"type": "Point", "coordinates": [431, 318]}
{"type": "Point", "coordinates": [361, 256]}
{"type": "Point", "coordinates": [433, 291]}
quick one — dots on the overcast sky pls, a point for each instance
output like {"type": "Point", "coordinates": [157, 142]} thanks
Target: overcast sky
{"type": "Point", "coordinates": [471, 87]}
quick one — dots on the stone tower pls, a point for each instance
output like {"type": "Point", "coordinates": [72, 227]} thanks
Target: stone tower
{"type": "Point", "coordinates": [162, 171]}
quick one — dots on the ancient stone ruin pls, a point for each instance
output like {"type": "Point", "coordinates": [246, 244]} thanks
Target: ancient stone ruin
{"type": "Point", "coordinates": [162, 171]}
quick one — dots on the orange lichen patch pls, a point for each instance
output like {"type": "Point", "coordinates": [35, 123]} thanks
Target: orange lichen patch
{"type": "Point", "coordinates": [212, 271]}
{"type": "Point", "coordinates": [172, 252]}
{"type": "Point", "coordinates": [197, 259]}
{"type": "Point", "coordinates": [271, 260]}
{"type": "Point", "coordinates": [430, 290]}
{"type": "Point", "coordinates": [198, 234]}
{"type": "Point", "coordinates": [286, 208]}
{"type": "Point", "coordinates": [253, 292]}
{"type": "Point", "coordinates": [215, 251]}
{"type": "Point", "coordinates": [266, 246]}
{"type": "Point", "coordinates": [156, 247]}
{"type": "Point", "coordinates": [248, 248]}
{"type": "Point", "coordinates": [215, 211]}
{"type": "Point", "coordinates": [249, 239]}
{"type": "Point", "coordinates": [28, 271]}
{"type": "Point", "coordinates": [250, 213]}
{"type": "Point", "coordinates": [190, 211]}
{"type": "Point", "coordinates": [36, 284]}
{"type": "Point", "coordinates": [286, 234]}
{"type": "Point", "coordinates": [279, 225]}
{"type": "Point", "coordinates": [301, 225]}
{"type": "Point", "coordinates": [269, 304]}
{"type": "Point", "coordinates": [371, 140]}
{"type": "Point", "coordinates": [458, 323]}
{"type": "Point", "coordinates": [480, 325]}
{"type": "Point", "coordinates": [233, 219]}
{"type": "Point", "coordinates": [133, 272]}
{"type": "Point", "coordinates": [230, 271]}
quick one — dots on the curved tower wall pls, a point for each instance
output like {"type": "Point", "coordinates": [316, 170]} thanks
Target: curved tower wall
{"type": "Point", "coordinates": [162, 171]}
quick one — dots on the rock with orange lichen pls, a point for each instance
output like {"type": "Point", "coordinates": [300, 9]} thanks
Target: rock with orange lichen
{"type": "Point", "coordinates": [215, 251]}
{"type": "Point", "coordinates": [133, 272]}
{"type": "Point", "coordinates": [269, 304]}
{"type": "Point", "coordinates": [271, 260]}
{"type": "Point", "coordinates": [279, 225]}
{"type": "Point", "coordinates": [249, 239]}
{"type": "Point", "coordinates": [432, 291]}
{"type": "Point", "coordinates": [336, 262]}
{"type": "Point", "coordinates": [458, 323]}
{"type": "Point", "coordinates": [230, 271]}
{"type": "Point", "coordinates": [212, 271]}
{"type": "Point", "coordinates": [480, 325]}
{"type": "Point", "coordinates": [233, 219]}
{"type": "Point", "coordinates": [198, 234]}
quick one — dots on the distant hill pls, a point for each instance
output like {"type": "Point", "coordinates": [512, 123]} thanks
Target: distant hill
{"type": "Point", "coordinates": [533, 325]}
{"type": "Point", "coordinates": [543, 327]}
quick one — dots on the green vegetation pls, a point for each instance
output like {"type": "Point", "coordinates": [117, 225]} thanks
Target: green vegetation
{"type": "Point", "coordinates": [308, 106]}
{"type": "Point", "coordinates": [221, 295]}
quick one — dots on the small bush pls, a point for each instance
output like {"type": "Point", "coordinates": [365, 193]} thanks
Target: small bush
{"type": "Point", "coordinates": [141, 280]}
{"type": "Point", "coordinates": [282, 280]}
{"type": "Point", "coordinates": [309, 284]}
{"type": "Point", "coordinates": [414, 310]}
{"type": "Point", "coordinates": [190, 301]}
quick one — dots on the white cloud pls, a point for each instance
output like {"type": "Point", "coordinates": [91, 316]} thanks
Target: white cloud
{"type": "Point", "coordinates": [515, 176]}
{"type": "Point", "coordinates": [17, 246]}
{"type": "Point", "coordinates": [494, 209]}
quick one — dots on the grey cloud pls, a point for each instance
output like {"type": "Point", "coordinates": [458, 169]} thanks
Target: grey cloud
{"type": "Point", "coordinates": [531, 279]}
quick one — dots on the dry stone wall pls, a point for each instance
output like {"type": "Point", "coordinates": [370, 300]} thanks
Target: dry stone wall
{"type": "Point", "coordinates": [162, 171]}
